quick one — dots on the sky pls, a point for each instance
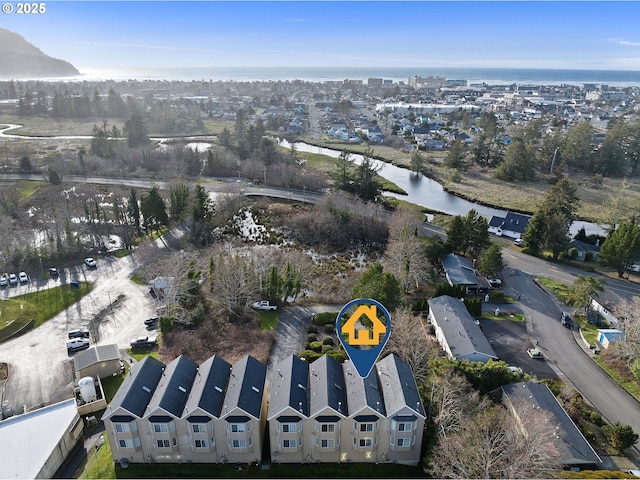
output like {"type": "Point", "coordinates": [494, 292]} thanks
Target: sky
{"type": "Point", "coordinates": [503, 34]}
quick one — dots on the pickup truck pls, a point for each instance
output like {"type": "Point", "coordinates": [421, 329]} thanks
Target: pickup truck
{"type": "Point", "coordinates": [264, 305]}
{"type": "Point", "coordinates": [77, 344]}
{"type": "Point", "coordinates": [143, 342]}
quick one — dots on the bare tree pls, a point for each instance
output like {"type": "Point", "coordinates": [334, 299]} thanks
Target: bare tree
{"type": "Point", "coordinates": [496, 443]}
{"type": "Point", "coordinates": [410, 341]}
{"type": "Point", "coordinates": [405, 255]}
{"type": "Point", "coordinates": [628, 313]}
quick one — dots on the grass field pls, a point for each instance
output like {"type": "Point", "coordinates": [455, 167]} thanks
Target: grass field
{"type": "Point", "coordinates": [559, 289]}
{"type": "Point", "coordinates": [38, 306]}
{"type": "Point", "coordinates": [268, 320]}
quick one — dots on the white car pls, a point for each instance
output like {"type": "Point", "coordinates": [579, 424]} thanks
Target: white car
{"type": "Point", "coordinates": [90, 262]}
{"type": "Point", "coordinates": [518, 242]}
{"type": "Point", "coordinates": [77, 344]}
{"type": "Point", "coordinates": [4, 280]}
{"type": "Point", "coordinates": [264, 305]}
{"type": "Point", "coordinates": [495, 283]}
{"type": "Point", "coordinates": [13, 280]}
{"type": "Point", "coordinates": [23, 277]}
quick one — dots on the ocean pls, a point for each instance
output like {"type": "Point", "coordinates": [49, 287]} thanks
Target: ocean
{"type": "Point", "coordinates": [491, 76]}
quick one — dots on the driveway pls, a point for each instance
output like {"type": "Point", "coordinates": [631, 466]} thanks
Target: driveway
{"type": "Point", "coordinates": [40, 369]}
{"type": "Point", "coordinates": [291, 332]}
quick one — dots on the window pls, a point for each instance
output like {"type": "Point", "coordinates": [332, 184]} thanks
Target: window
{"type": "Point", "coordinates": [163, 443]}
{"type": "Point", "coordinates": [403, 442]}
{"type": "Point", "coordinates": [237, 427]}
{"type": "Point", "coordinates": [199, 428]}
{"type": "Point", "coordinates": [125, 443]}
{"type": "Point", "coordinates": [136, 441]}
{"type": "Point", "coordinates": [366, 427]}
{"type": "Point", "coordinates": [289, 443]}
{"type": "Point", "coordinates": [327, 428]}
{"type": "Point", "coordinates": [288, 427]}
{"type": "Point", "coordinates": [212, 442]}
{"type": "Point", "coordinates": [175, 441]}
{"type": "Point", "coordinates": [366, 442]}
{"type": "Point", "coordinates": [250, 442]}
{"type": "Point", "coordinates": [200, 444]}
{"type": "Point", "coordinates": [327, 443]}
{"type": "Point", "coordinates": [172, 426]}
{"type": "Point", "coordinates": [122, 427]}
{"type": "Point", "coordinates": [239, 444]}
{"type": "Point", "coordinates": [405, 427]}
{"type": "Point", "coordinates": [160, 428]}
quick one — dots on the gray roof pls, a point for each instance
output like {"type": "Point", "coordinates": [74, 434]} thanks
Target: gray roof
{"type": "Point", "coordinates": [137, 388]}
{"type": "Point", "coordinates": [573, 447]}
{"type": "Point", "coordinates": [459, 270]}
{"type": "Point", "coordinates": [209, 386]}
{"type": "Point", "coordinates": [246, 386]}
{"type": "Point", "coordinates": [583, 246]}
{"type": "Point", "coordinates": [96, 354]}
{"type": "Point", "coordinates": [516, 222]}
{"type": "Point", "coordinates": [362, 392]}
{"type": "Point", "coordinates": [399, 387]}
{"type": "Point", "coordinates": [174, 386]}
{"type": "Point", "coordinates": [459, 328]}
{"type": "Point", "coordinates": [289, 387]}
{"type": "Point", "coordinates": [327, 383]}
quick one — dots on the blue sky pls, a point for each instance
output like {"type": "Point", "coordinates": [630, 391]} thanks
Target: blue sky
{"type": "Point", "coordinates": [545, 34]}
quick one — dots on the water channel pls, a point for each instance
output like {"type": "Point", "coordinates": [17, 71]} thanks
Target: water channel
{"type": "Point", "coordinates": [426, 192]}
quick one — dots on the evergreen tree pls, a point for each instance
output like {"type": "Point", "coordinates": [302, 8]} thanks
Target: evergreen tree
{"type": "Point", "coordinates": [366, 182]}
{"type": "Point", "coordinates": [378, 285]}
{"type": "Point", "coordinates": [136, 131]}
{"type": "Point", "coordinates": [456, 155]}
{"type": "Point", "coordinates": [344, 172]}
{"type": "Point", "coordinates": [133, 210]}
{"type": "Point", "coordinates": [491, 263]}
{"type": "Point", "coordinates": [202, 217]}
{"type": "Point", "coordinates": [153, 209]}
{"type": "Point", "coordinates": [621, 249]}
{"type": "Point", "coordinates": [417, 161]}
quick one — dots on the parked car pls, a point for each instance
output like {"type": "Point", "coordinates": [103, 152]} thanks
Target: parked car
{"type": "Point", "coordinates": [152, 322]}
{"type": "Point", "coordinates": [23, 277]}
{"type": "Point", "coordinates": [143, 342]}
{"type": "Point", "coordinates": [534, 352]}
{"type": "Point", "coordinates": [121, 369]}
{"type": "Point", "coordinates": [264, 305]}
{"type": "Point", "coordinates": [77, 344]}
{"type": "Point", "coordinates": [13, 280]}
{"type": "Point", "coordinates": [566, 320]}
{"type": "Point", "coordinates": [79, 333]}
{"type": "Point", "coordinates": [53, 272]}
{"type": "Point", "coordinates": [495, 283]}
{"type": "Point", "coordinates": [90, 262]}
{"type": "Point", "coordinates": [4, 280]}
{"type": "Point", "coordinates": [518, 242]}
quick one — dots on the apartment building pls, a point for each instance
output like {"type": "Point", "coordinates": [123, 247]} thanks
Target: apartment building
{"type": "Point", "coordinates": [326, 412]}
{"type": "Point", "coordinates": [185, 412]}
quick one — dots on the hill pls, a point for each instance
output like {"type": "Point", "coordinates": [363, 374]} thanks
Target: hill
{"type": "Point", "coordinates": [20, 59]}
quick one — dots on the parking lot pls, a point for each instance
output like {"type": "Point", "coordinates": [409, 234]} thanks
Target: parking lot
{"type": "Point", "coordinates": [40, 367]}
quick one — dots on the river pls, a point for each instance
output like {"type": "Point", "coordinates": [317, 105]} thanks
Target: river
{"type": "Point", "coordinates": [427, 192]}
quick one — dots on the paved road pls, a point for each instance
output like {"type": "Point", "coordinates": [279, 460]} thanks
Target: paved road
{"type": "Point", "coordinates": [568, 358]}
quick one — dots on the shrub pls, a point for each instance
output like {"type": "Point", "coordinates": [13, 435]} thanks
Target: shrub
{"type": "Point", "coordinates": [307, 345]}
{"type": "Point", "coordinates": [329, 328]}
{"type": "Point", "coordinates": [573, 253]}
{"type": "Point", "coordinates": [326, 348]}
{"type": "Point", "coordinates": [310, 355]}
{"type": "Point", "coordinates": [596, 419]}
{"type": "Point", "coordinates": [420, 306]}
{"type": "Point", "coordinates": [312, 337]}
{"type": "Point", "coordinates": [327, 341]}
{"type": "Point", "coordinates": [497, 296]}
{"type": "Point", "coordinates": [339, 355]}
{"type": "Point", "coordinates": [324, 318]}
{"type": "Point", "coordinates": [312, 329]}
{"type": "Point", "coordinates": [316, 346]}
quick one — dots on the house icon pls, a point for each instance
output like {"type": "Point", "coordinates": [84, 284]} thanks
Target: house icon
{"type": "Point", "coordinates": [364, 336]}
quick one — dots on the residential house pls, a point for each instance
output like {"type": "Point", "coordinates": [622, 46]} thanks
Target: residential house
{"type": "Point", "coordinates": [182, 412]}
{"type": "Point", "coordinates": [513, 225]}
{"type": "Point", "coordinates": [457, 331]}
{"type": "Point", "coordinates": [460, 271]}
{"type": "Point", "coordinates": [568, 445]}
{"type": "Point", "coordinates": [604, 305]}
{"type": "Point", "coordinates": [326, 412]}
{"type": "Point", "coordinates": [585, 251]}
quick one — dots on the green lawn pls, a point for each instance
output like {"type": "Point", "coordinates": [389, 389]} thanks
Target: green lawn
{"type": "Point", "coordinates": [137, 279]}
{"type": "Point", "coordinates": [632, 387]}
{"type": "Point", "coordinates": [515, 317]}
{"type": "Point", "coordinates": [268, 320]}
{"type": "Point", "coordinates": [38, 306]}
{"type": "Point", "coordinates": [559, 289]}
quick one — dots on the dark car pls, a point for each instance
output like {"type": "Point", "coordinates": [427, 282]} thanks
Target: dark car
{"type": "Point", "coordinates": [79, 333]}
{"type": "Point", "coordinates": [152, 322]}
{"type": "Point", "coordinates": [566, 320]}
{"type": "Point", "coordinates": [143, 342]}
{"type": "Point", "coordinates": [53, 272]}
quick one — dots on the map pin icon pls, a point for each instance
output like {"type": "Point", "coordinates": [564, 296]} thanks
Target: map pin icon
{"type": "Point", "coordinates": [363, 326]}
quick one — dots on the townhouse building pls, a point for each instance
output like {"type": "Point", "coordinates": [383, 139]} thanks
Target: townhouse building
{"type": "Point", "coordinates": [326, 412]}
{"type": "Point", "coordinates": [185, 412]}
